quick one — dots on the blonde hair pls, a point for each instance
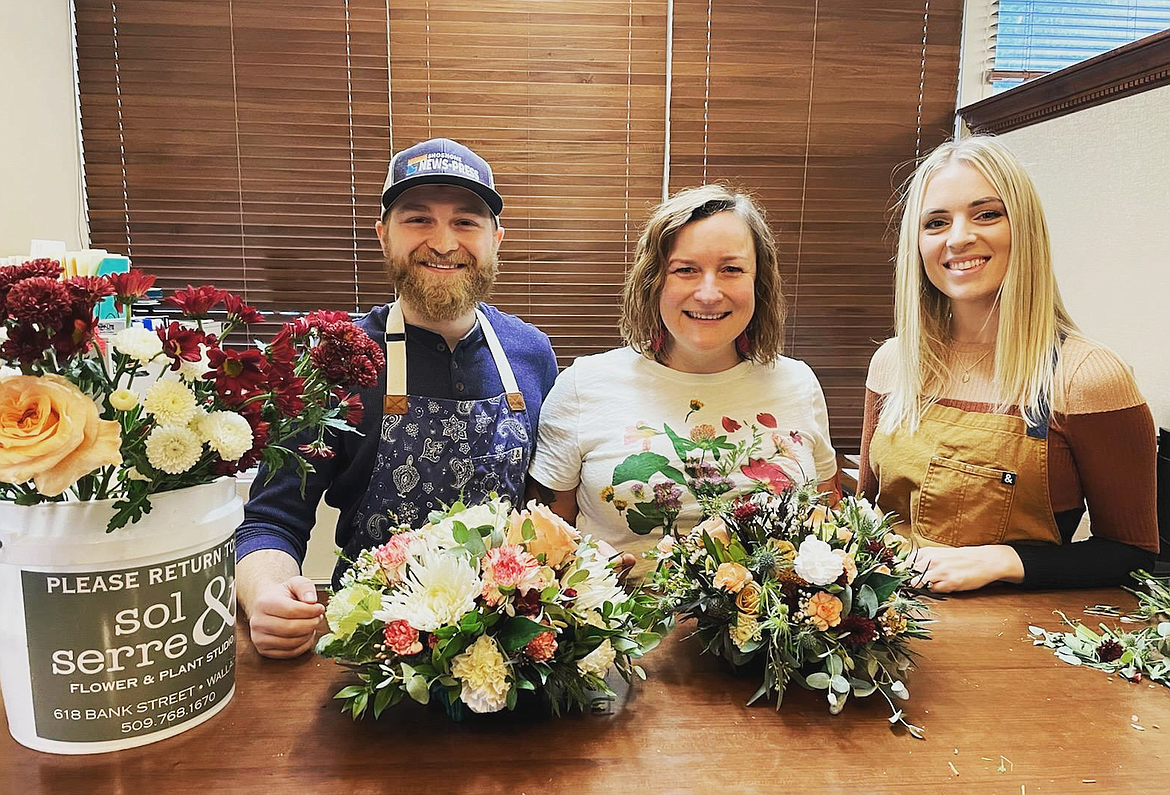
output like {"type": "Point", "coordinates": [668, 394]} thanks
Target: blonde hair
{"type": "Point", "coordinates": [1032, 317]}
{"type": "Point", "coordinates": [641, 321]}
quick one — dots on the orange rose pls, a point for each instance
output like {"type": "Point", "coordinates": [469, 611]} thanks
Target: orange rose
{"type": "Point", "coordinates": [731, 577]}
{"type": "Point", "coordinates": [50, 433]}
{"type": "Point", "coordinates": [824, 609]}
{"type": "Point", "coordinates": [555, 538]}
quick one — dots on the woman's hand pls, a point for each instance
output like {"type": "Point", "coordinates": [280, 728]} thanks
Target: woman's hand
{"type": "Point", "coordinates": [623, 562]}
{"type": "Point", "coordinates": [949, 569]}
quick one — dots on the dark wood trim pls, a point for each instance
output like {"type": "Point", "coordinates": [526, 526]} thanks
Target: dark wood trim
{"type": "Point", "coordinates": [1131, 69]}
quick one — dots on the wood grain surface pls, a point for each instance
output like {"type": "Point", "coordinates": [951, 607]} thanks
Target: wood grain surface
{"type": "Point", "coordinates": [982, 692]}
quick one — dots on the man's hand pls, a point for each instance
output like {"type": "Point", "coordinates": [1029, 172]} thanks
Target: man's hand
{"type": "Point", "coordinates": [281, 605]}
{"type": "Point", "coordinates": [284, 618]}
{"type": "Point", "coordinates": [949, 569]}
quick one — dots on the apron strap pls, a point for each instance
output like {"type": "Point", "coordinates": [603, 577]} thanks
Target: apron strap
{"type": "Point", "coordinates": [395, 399]}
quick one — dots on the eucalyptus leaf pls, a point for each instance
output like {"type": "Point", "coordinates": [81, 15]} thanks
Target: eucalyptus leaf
{"type": "Point", "coordinates": [818, 681]}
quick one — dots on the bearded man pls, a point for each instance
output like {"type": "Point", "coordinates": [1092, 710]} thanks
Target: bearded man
{"type": "Point", "coordinates": [454, 414]}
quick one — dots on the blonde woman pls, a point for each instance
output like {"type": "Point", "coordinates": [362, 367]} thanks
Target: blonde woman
{"type": "Point", "coordinates": [700, 403]}
{"type": "Point", "coordinates": [990, 421]}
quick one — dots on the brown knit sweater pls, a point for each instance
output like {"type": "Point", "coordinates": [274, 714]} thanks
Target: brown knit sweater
{"type": "Point", "coordinates": [1101, 452]}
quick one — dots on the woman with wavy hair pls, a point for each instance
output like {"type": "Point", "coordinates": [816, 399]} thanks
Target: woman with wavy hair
{"type": "Point", "coordinates": [700, 403]}
{"type": "Point", "coordinates": [990, 421]}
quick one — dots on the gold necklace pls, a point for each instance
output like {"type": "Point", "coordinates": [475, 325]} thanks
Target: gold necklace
{"type": "Point", "coordinates": [967, 372]}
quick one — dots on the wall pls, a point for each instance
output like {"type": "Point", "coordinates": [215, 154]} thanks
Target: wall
{"type": "Point", "coordinates": [39, 158]}
{"type": "Point", "coordinates": [1104, 178]}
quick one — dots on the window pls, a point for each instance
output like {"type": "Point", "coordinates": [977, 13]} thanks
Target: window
{"type": "Point", "coordinates": [1031, 38]}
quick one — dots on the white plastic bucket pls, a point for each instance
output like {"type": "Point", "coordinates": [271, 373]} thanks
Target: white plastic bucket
{"type": "Point", "coordinates": [114, 640]}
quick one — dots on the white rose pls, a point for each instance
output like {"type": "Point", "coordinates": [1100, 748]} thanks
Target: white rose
{"type": "Point", "coordinates": [816, 562]}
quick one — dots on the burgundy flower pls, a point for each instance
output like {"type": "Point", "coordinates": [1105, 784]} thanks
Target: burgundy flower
{"type": "Point", "coordinates": [352, 410]}
{"type": "Point", "coordinates": [527, 603]}
{"type": "Point", "coordinates": [879, 550]}
{"type": "Point", "coordinates": [77, 333]}
{"type": "Point", "coordinates": [239, 312]}
{"type": "Point", "coordinates": [767, 420]}
{"type": "Point", "coordinates": [25, 344]}
{"type": "Point", "coordinates": [730, 425]}
{"type": "Point", "coordinates": [41, 300]}
{"type": "Point", "coordinates": [743, 511]}
{"type": "Point", "coordinates": [1109, 650]}
{"type": "Point", "coordinates": [86, 291]}
{"type": "Point", "coordinates": [236, 373]}
{"type": "Point", "coordinates": [130, 286]}
{"type": "Point", "coordinates": [770, 475]}
{"type": "Point", "coordinates": [195, 302]}
{"type": "Point", "coordinates": [346, 355]}
{"type": "Point", "coordinates": [180, 344]}
{"type": "Point", "coordinates": [317, 449]}
{"type": "Point", "coordinates": [11, 274]}
{"type": "Point", "coordinates": [857, 630]}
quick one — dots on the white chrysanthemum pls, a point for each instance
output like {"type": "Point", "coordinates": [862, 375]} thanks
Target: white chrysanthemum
{"type": "Point", "coordinates": [170, 402]}
{"type": "Point", "coordinates": [483, 674]}
{"type": "Point", "coordinates": [123, 399]}
{"type": "Point", "coordinates": [173, 448]}
{"type": "Point", "coordinates": [228, 433]}
{"type": "Point", "coordinates": [816, 562]}
{"type": "Point", "coordinates": [440, 589]}
{"type": "Point", "coordinates": [138, 343]}
{"type": "Point", "coordinates": [193, 371]}
{"type": "Point", "coordinates": [599, 660]}
{"type": "Point", "coordinates": [493, 514]}
{"type": "Point", "coordinates": [600, 586]}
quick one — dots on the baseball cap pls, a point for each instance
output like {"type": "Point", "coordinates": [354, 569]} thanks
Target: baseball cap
{"type": "Point", "coordinates": [440, 161]}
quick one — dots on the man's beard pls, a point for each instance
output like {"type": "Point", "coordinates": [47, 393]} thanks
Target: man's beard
{"type": "Point", "coordinates": [442, 297]}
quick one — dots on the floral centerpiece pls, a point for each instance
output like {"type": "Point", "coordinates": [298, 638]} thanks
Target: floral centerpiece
{"type": "Point", "coordinates": [1143, 651]}
{"type": "Point", "coordinates": [819, 594]}
{"type": "Point", "coordinates": [480, 604]}
{"type": "Point", "coordinates": [76, 424]}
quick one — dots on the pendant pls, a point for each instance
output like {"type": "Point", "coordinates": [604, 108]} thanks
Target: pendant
{"type": "Point", "coordinates": [966, 377]}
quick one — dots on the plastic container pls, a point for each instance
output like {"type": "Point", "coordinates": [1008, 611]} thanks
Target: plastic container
{"type": "Point", "coordinates": [115, 640]}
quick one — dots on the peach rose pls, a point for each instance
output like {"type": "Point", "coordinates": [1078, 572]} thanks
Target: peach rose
{"type": "Point", "coordinates": [50, 432]}
{"type": "Point", "coordinates": [824, 609]}
{"type": "Point", "coordinates": [732, 577]}
{"type": "Point", "coordinates": [748, 600]}
{"type": "Point", "coordinates": [844, 534]}
{"type": "Point", "coordinates": [716, 528]}
{"type": "Point", "coordinates": [555, 538]}
{"type": "Point", "coordinates": [848, 564]}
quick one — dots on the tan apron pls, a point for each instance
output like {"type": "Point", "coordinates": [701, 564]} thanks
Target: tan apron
{"type": "Point", "coordinates": [966, 478]}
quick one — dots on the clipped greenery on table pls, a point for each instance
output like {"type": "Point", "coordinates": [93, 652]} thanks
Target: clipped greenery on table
{"type": "Point", "coordinates": [1143, 652]}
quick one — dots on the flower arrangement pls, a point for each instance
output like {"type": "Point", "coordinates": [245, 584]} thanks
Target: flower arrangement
{"type": "Point", "coordinates": [1131, 655]}
{"type": "Point", "coordinates": [820, 594]}
{"type": "Point", "coordinates": [85, 418]}
{"type": "Point", "coordinates": [482, 603]}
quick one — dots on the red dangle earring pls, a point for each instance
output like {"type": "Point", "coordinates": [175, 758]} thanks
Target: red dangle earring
{"type": "Point", "coordinates": [743, 344]}
{"type": "Point", "coordinates": [657, 340]}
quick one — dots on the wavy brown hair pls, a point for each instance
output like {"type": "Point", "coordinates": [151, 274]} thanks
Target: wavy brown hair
{"type": "Point", "coordinates": [641, 321]}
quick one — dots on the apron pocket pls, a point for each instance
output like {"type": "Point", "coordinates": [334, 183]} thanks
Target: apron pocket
{"type": "Point", "coordinates": [962, 504]}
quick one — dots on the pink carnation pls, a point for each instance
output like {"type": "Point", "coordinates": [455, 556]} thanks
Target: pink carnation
{"type": "Point", "coordinates": [542, 647]}
{"type": "Point", "coordinates": [402, 638]}
{"type": "Point", "coordinates": [508, 566]}
{"type": "Point", "coordinates": [392, 555]}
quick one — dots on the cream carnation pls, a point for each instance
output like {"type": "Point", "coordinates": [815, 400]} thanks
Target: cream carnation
{"type": "Point", "coordinates": [440, 589]}
{"type": "Point", "coordinates": [817, 563]}
{"type": "Point", "coordinates": [170, 402]}
{"type": "Point", "coordinates": [483, 675]}
{"type": "Point", "coordinates": [123, 399]}
{"type": "Point", "coordinates": [228, 434]}
{"type": "Point", "coordinates": [598, 661]}
{"type": "Point", "coordinates": [138, 343]}
{"type": "Point", "coordinates": [173, 448]}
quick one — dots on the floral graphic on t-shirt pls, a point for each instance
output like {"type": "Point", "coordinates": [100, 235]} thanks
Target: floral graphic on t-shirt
{"type": "Point", "coordinates": [706, 458]}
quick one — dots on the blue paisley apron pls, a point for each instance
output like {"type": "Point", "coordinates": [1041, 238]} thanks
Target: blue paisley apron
{"type": "Point", "coordinates": [434, 451]}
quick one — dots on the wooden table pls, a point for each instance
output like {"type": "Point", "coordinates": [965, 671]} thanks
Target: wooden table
{"type": "Point", "coordinates": [983, 692]}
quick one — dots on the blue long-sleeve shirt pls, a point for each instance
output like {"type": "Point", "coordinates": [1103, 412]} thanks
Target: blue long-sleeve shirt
{"type": "Point", "coordinates": [278, 517]}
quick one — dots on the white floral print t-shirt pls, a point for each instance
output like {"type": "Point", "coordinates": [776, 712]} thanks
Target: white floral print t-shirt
{"type": "Point", "coordinates": [641, 443]}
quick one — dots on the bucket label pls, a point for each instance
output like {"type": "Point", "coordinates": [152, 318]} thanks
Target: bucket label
{"type": "Point", "coordinates": [129, 652]}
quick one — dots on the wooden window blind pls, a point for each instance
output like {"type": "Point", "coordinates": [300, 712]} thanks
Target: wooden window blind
{"type": "Point", "coordinates": [245, 142]}
{"type": "Point", "coordinates": [819, 109]}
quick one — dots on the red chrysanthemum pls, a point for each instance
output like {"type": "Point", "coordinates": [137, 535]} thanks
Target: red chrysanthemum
{"type": "Point", "coordinates": [857, 630]}
{"type": "Point", "coordinates": [346, 355]}
{"type": "Point", "coordinates": [542, 647]}
{"type": "Point", "coordinates": [769, 474]}
{"type": "Point", "coordinates": [239, 312]}
{"type": "Point", "coordinates": [180, 344]}
{"type": "Point", "coordinates": [195, 302]}
{"type": "Point", "coordinates": [130, 286]}
{"type": "Point", "coordinates": [237, 373]}
{"type": "Point", "coordinates": [323, 317]}
{"type": "Point", "coordinates": [41, 300]}
{"type": "Point", "coordinates": [352, 410]}
{"type": "Point", "coordinates": [317, 449]}
{"type": "Point", "coordinates": [25, 344]}
{"type": "Point", "coordinates": [86, 291]}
